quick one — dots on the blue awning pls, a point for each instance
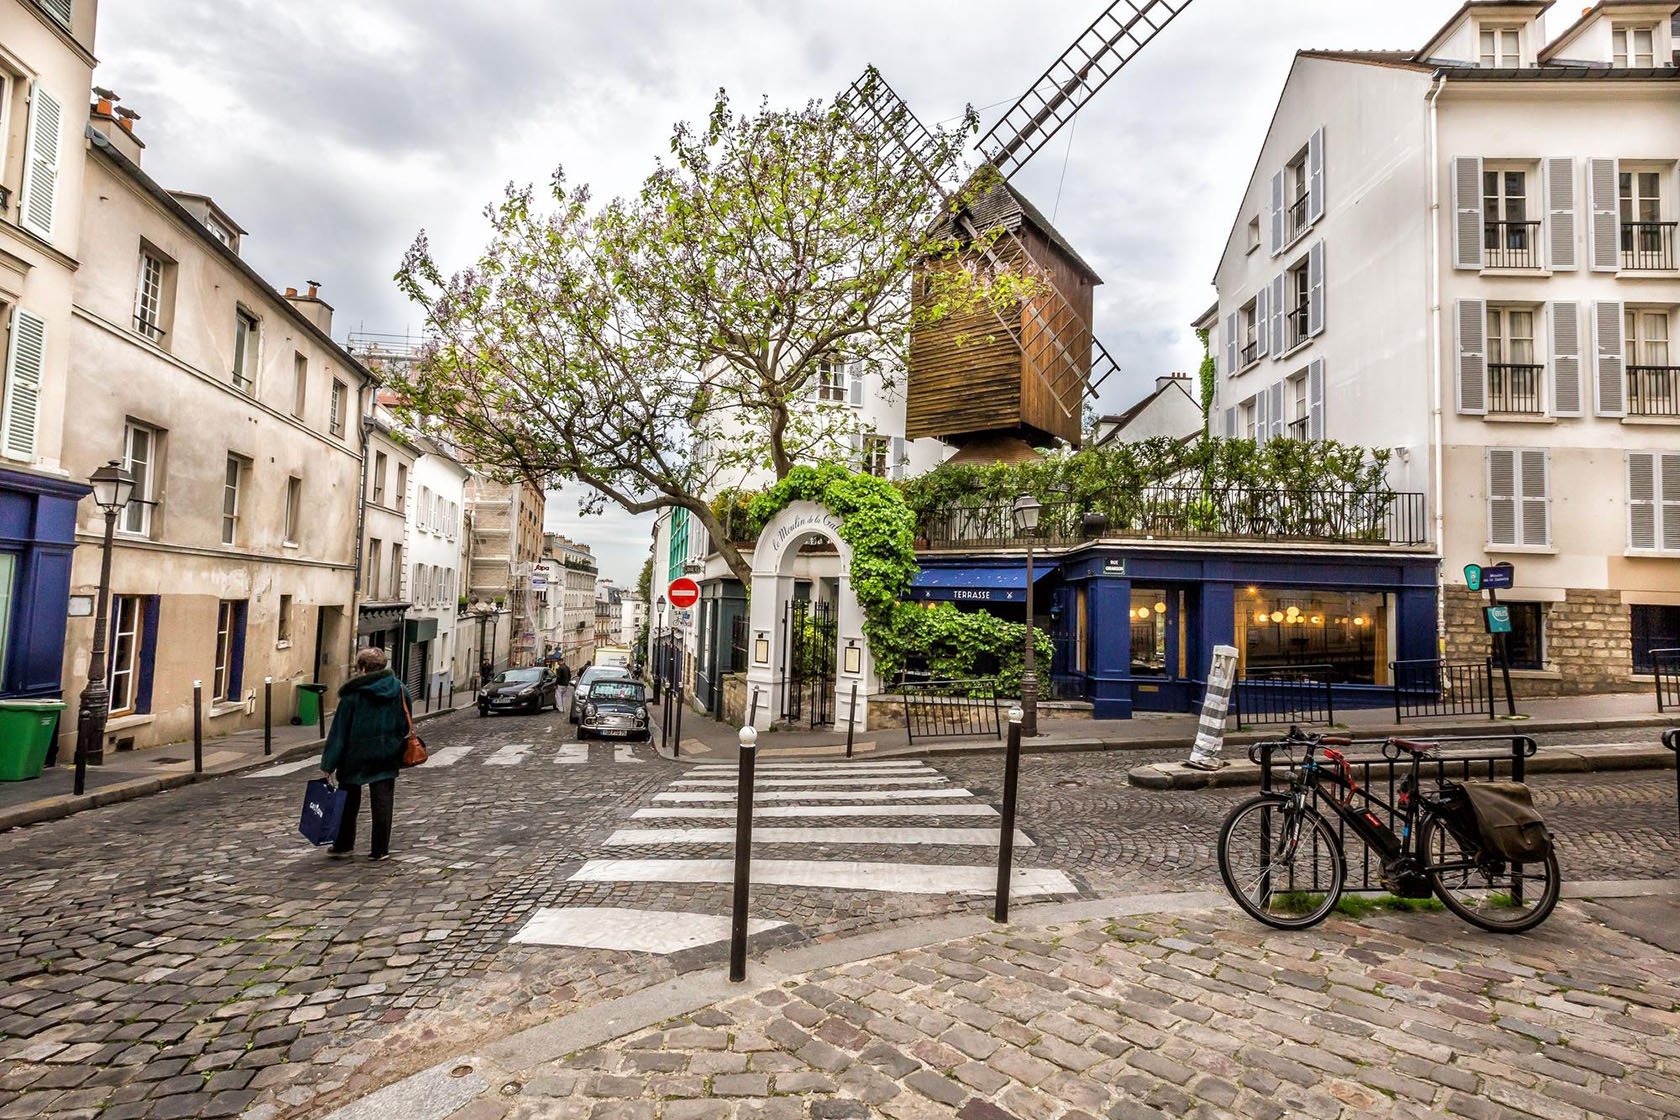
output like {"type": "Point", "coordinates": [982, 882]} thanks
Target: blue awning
{"type": "Point", "coordinates": [974, 585]}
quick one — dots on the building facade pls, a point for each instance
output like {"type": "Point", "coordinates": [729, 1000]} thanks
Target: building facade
{"type": "Point", "coordinates": [1466, 253]}
{"type": "Point", "coordinates": [437, 490]}
{"type": "Point", "coordinates": [1169, 411]}
{"type": "Point", "coordinates": [388, 462]}
{"type": "Point", "coordinates": [507, 540]}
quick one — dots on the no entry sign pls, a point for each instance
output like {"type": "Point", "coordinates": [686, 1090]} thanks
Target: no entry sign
{"type": "Point", "coordinates": [683, 593]}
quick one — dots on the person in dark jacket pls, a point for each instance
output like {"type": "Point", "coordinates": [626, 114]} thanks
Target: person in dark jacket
{"type": "Point", "coordinates": [365, 747]}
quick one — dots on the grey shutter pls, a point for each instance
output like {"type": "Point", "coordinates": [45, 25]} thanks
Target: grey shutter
{"type": "Point", "coordinates": [1642, 499]}
{"type": "Point", "coordinates": [854, 384]}
{"type": "Point", "coordinates": [1668, 500]}
{"type": "Point", "coordinates": [1279, 343]}
{"type": "Point", "coordinates": [1231, 358]}
{"type": "Point", "coordinates": [1566, 358]}
{"type": "Point", "coordinates": [1467, 211]}
{"type": "Point", "coordinates": [1230, 423]}
{"type": "Point", "coordinates": [1534, 485]}
{"type": "Point", "coordinates": [1315, 177]}
{"type": "Point", "coordinates": [25, 362]}
{"type": "Point", "coordinates": [1502, 495]}
{"type": "Point", "coordinates": [1315, 291]}
{"type": "Point", "coordinates": [1277, 213]}
{"type": "Point", "coordinates": [895, 457]}
{"type": "Point", "coordinates": [59, 9]}
{"type": "Point", "coordinates": [1275, 411]}
{"type": "Point", "coordinates": [857, 452]}
{"type": "Point", "coordinates": [40, 162]}
{"type": "Point", "coordinates": [1315, 399]}
{"type": "Point", "coordinates": [1470, 317]}
{"type": "Point", "coordinates": [1610, 375]}
{"type": "Point", "coordinates": [1605, 232]}
{"type": "Point", "coordinates": [1262, 428]}
{"type": "Point", "coordinates": [1560, 214]}
{"type": "Point", "coordinates": [1262, 322]}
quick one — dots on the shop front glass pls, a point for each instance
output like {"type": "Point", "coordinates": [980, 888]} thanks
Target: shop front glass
{"type": "Point", "coordinates": [1157, 619]}
{"type": "Point", "coordinates": [1335, 635]}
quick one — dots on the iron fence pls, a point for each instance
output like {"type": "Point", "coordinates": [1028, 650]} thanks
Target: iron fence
{"type": "Point", "coordinates": [1653, 390]}
{"type": "Point", "coordinates": [1515, 389]}
{"type": "Point", "coordinates": [951, 709]}
{"type": "Point", "coordinates": [1298, 694]}
{"type": "Point", "coordinates": [1512, 244]}
{"type": "Point", "coordinates": [1665, 670]}
{"type": "Point", "coordinates": [1648, 246]}
{"type": "Point", "coordinates": [1441, 688]}
{"type": "Point", "coordinates": [1379, 778]}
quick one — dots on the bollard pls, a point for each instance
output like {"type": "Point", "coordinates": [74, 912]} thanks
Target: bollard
{"type": "Point", "coordinates": [198, 727]}
{"type": "Point", "coordinates": [321, 715]}
{"type": "Point", "coordinates": [676, 732]}
{"type": "Point", "coordinates": [743, 854]}
{"type": "Point", "coordinates": [851, 720]}
{"type": "Point", "coordinates": [752, 712]}
{"type": "Point", "coordinates": [1671, 740]}
{"type": "Point", "coordinates": [1006, 840]}
{"type": "Point", "coordinates": [664, 721]}
{"type": "Point", "coordinates": [268, 715]}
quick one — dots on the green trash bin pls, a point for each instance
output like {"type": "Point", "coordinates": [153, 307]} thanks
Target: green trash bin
{"type": "Point", "coordinates": [27, 728]}
{"type": "Point", "coordinates": [309, 700]}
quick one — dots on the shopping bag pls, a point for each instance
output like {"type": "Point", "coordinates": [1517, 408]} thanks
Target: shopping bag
{"type": "Point", "coordinates": [323, 808]}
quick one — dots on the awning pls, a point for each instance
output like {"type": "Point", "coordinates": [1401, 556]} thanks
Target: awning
{"type": "Point", "coordinates": [975, 585]}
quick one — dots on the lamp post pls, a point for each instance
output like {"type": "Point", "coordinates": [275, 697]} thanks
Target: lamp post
{"type": "Point", "coordinates": [1026, 510]}
{"type": "Point", "coordinates": [659, 652]}
{"type": "Point", "coordinates": [112, 488]}
{"type": "Point", "coordinates": [486, 665]}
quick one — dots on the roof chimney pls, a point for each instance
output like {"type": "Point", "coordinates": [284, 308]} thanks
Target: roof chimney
{"type": "Point", "coordinates": [1164, 382]}
{"type": "Point", "coordinates": [311, 306]}
{"type": "Point", "coordinates": [116, 124]}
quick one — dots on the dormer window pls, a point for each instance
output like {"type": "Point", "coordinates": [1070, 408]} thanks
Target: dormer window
{"type": "Point", "coordinates": [218, 230]}
{"type": "Point", "coordinates": [1501, 47]}
{"type": "Point", "coordinates": [1633, 46]}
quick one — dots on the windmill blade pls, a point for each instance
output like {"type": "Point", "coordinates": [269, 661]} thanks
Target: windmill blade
{"type": "Point", "coordinates": [1084, 68]}
{"type": "Point", "coordinates": [874, 108]}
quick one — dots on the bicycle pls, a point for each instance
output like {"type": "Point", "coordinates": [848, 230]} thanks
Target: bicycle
{"type": "Point", "coordinates": [1283, 862]}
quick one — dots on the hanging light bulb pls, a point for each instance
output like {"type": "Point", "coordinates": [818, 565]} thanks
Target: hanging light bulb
{"type": "Point", "coordinates": [1260, 616]}
{"type": "Point", "coordinates": [1359, 621]}
{"type": "Point", "coordinates": [1318, 620]}
{"type": "Point", "coordinates": [1277, 616]}
{"type": "Point", "coordinates": [1160, 608]}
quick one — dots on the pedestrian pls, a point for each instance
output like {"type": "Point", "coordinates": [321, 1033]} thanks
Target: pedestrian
{"type": "Point", "coordinates": [365, 748]}
{"type": "Point", "coordinates": [563, 675]}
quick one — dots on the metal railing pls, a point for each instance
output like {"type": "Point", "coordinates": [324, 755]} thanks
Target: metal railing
{"type": "Point", "coordinates": [1665, 670]}
{"type": "Point", "coordinates": [1296, 694]}
{"type": "Point", "coordinates": [1511, 244]}
{"type": "Point", "coordinates": [1379, 778]}
{"type": "Point", "coordinates": [1189, 512]}
{"type": "Point", "coordinates": [1653, 390]}
{"type": "Point", "coordinates": [1297, 428]}
{"type": "Point", "coordinates": [1251, 353]}
{"type": "Point", "coordinates": [1296, 317]}
{"type": "Point", "coordinates": [1297, 217]}
{"type": "Point", "coordinates": [1648, 246]}
{"type": "Point", "coordinates": [947, 709]}
{"type": "Point", "coordinates": [147, 328]}
{"type": "Point", "coordinates": [1516, 389]}
{"type": "Point", "coordinates": [1430, 687]}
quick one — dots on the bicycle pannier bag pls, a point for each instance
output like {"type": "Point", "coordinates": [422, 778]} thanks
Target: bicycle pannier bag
{"type": "Point", "coordinates": [1459, 817]}
{"type": "Point", "coordinates": [1509, 823]}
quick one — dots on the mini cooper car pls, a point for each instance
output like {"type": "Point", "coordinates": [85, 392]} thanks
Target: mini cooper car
{"type": "Point", "coordinates": [520, 690]}
{"type": "Point", "coordinates": [616, 708]}
{"type": "Point", "coordinates": [580, 690]}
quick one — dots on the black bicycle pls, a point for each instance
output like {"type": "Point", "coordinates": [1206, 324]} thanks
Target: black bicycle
{"type": "Point", "coordinates": [1283, 861]}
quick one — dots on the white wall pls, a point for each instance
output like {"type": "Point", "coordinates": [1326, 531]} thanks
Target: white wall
{"type": "Point", "coordinates": [437, 495]}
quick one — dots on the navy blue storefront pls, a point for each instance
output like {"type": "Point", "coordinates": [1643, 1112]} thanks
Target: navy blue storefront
{"type": "Point", "coordinates": [37, 539]}
{"type": "Point", "coordinates": [1134, 628]}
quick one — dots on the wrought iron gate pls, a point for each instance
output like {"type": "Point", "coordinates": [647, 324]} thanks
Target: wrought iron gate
{"type": "Point", "coordinates": [811, 634]}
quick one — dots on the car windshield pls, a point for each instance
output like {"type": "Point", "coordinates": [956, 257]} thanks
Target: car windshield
{"type": "Point", "coordinates": [630, 691]}
{"type": "Point", "coordinates": [601, 673]}
{"type": "Point", "coordinates": [518, 676]}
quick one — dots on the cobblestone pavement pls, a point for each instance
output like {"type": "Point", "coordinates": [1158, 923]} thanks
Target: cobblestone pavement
{"type": "Point", "coordinates": [187, 955]}
{"type": "Point", "coordinates": [1202, 1015]}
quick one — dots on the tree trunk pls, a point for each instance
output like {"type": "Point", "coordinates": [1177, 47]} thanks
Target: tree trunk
{"type": "Point", "coordinates": [738, 565]}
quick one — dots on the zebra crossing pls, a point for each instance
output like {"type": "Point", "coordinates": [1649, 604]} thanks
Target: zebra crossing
{"type": "Point", "coordinates": [496, 754]}
{"type": "Point", "coordinates": [815, 807]}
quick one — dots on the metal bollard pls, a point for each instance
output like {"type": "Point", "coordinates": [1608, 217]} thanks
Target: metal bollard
{"type": "Point", "coordinates": [752, 712]}
{"type": "Point", "coordinates": [1006, 841]}
{"type": "Point", "coordinates": [851, 720]}
{"type": "Point", "coordinates": [676, 732]}
{"type": "Point", "coordinates": [198, 727]}
{"type": "Point", "coordinates": [268, 715]}
{"type": "Point", "coordinates": [1671, 740]}
{"type": "Point", "coordinates": [743, 854]}
{"type": "Point", "coordinates": [321, 714]}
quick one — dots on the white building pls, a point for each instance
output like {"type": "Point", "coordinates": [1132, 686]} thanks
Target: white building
{"type": "Point", "coordinates": [1466, 253]}
{"type": "Point", "coordinates": [1170, 410]}
{"type": "Point", "coordinates": [435, 503]}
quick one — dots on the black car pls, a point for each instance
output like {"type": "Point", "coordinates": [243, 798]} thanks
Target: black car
{"type": "Point", "coordinates": [587, 678]}
{"type": "Point", "coordinates": [616, 707]}
{"type": "Point", "coordinates": [520, 690]}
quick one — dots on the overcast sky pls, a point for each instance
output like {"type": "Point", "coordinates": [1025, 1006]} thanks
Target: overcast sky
{"type": "Point", "coordinates": [334, 130]}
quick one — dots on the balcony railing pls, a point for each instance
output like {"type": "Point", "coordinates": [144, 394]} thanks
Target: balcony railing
{"type": "Point", "coordinates": [1297, 216]}
{"type": "Point", "coordinates": [1191, 513]}
{"type": "Point", "coordinates": [1298, 428]}
{"type": "Point", "coordinates": [1296, 317]}
{"type": "Point", "coordinates": [1648, 246]}
{"type": "Point", "coordinates": [1512, 244]}
{"type": "Point", "coordinates": [1653, 390]}
{"type": "Point", "coordinates": [1515, 389]}
{"type": "Point", "coordinates": [1251, 353]}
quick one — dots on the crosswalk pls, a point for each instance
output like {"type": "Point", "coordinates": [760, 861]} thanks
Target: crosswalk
{"type": "Point", "coordinates": [543, 753]}
{"type": "Point", "coordinates": [942, 838]}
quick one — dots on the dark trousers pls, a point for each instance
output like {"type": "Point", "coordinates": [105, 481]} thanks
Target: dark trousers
{"type": "Point", "coordinates": [382, 794]}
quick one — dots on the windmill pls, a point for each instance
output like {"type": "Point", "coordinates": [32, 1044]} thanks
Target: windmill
{"type": "Point", "coordinates": [998, 379]}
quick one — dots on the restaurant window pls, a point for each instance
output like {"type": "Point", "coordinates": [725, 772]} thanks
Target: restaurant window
{"type": "Point", "coordinates": [1527, 639]}
{"type": "Point", "coordinates": [1341, 636]}
{"type": "Point", "coordinates": [1149, 623]}
{"type": "Point", "coordinates": [1653, 628]}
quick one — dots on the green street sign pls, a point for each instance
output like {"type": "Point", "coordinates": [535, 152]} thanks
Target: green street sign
{"type": "Point", "coordinates": [1473, 576]}
{"type": "Point", "coordinates": [1498, 619]}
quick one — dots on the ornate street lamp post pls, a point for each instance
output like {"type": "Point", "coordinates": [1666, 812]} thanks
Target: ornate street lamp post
{"type": "Point", "coordinates": [112, 488]}
{"type": "Point", "coordinates": [484, 611]}
{"type": "Point", "coordinates": [1026, 522]}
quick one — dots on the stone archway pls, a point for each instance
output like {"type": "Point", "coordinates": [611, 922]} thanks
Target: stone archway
{"type": "Point", "coordinates": [772, 587]}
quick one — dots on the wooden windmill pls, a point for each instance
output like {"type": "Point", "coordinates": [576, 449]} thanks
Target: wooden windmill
{"type": "Point", "coordinates": [1017, 376]}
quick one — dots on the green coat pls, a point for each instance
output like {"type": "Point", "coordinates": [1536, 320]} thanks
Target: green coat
{"type": "Point", "coordinates": [368, 730]}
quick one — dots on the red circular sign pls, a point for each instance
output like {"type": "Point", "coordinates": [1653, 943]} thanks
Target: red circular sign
{"type": "Point", "coordinates": [683, 593]}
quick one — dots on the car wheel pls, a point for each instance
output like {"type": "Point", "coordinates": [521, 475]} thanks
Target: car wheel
{"type": "Point", "coordinates": [483, 711]}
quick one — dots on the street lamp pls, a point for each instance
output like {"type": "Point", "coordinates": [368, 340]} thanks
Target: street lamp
{"type": "Point", "coordinates": [484, 611]}
{"type": "Point", "coordinates": [1026, 523]}
{"type": "Point", "coordinates": [112, 488]}
{"type": "Point", "coordinates": [661, 655]}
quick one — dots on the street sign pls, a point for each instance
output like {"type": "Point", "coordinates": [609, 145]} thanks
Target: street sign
{"type": "Point", "coordinates": [1499, 577]}
{"type": "Point", "coordinates": [1498, 619]}
{"type": "Point", "coordinates": [1473, 576]}
{"type": "Point", "coordinates": [683, 593]}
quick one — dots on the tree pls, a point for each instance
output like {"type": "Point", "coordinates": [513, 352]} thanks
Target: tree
{"type": "Point", "coordinates": [646, 347]}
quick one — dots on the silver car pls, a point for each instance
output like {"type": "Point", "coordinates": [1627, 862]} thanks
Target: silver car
{"type": "Point", "coordinates": [580, 687]}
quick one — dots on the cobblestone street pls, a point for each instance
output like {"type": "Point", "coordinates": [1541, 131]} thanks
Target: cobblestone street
{"type": "Point", "coordinates": [188, 955]}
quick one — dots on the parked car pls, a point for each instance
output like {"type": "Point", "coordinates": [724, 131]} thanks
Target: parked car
{"type": "Point", "coordinates": [514, 690]}
{"type": "Point", "coordinates": [614, 707]}
{"type": "Point", "coordinates": [588, 677]}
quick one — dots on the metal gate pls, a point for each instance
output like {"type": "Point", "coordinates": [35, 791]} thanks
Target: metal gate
{"type": "Point", "coordinates": [811, 632]}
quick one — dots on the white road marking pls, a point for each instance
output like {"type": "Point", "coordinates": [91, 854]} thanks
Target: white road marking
{"type": "Point", "coordinates": [782, 811]}
{"type": "Point", "coordinates": [816, 772]}
{"type": "Point", "coordinates": [624, 752]}
{"type": "Point", "coordinates": [910, 837]}
{"type": "Point", "coordinates": [900, 878]}
{"type": "Point", "coordinates": [284, 768]}
{"type": "Point", "coordinates": [773, 783]}
{"type": "Point", "coordinates": [571, 754]}
{"type": "Point", "coordinates": [511, 755]}
{"type": "Point", "coordinates": [636, 931]}
{"type": "Point", "coordinates": [448, 756]}
{"type": "Point", "coordinates": [800, 767]}
{"type": "Point", "coordinates": [817, 794]}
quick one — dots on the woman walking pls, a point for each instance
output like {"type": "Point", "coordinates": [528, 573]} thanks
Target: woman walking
{"type": "Point", "coordinates": [365, 748]}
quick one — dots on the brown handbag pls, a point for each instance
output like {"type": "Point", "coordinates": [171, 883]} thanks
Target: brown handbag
{"type": "Point", "coordinates": [414, 748]}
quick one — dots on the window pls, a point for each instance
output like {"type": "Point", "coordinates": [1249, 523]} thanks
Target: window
{"type": "Point", "coordinates": [218, 231]}
{"type": "Point", "coordinates": [1633, 46]}
{"type": "Point", "coordinates": [140, 448]}
{"type": "Point", "coordinates": [1509, 238]}
{"type": "Point", "coordinates": [1254, 233]}
{"type": "Point", "coordinates": [246, 338]}
{"type": "Point", "coordinates": [376, 554]}
{"type": "Point", "coordinates": [1251, 419]}
{"type": "Point", "coordinates": [1514, 378]}
{"type": "Point", "coordinates": [1297, 186]}
{"type": "Point", "coordinates": [283, 625]}
{"type": "Point", "coordinates": [377, 483]}
{"type": "Point", "coordinates": [1298, 297]}
{"type": "Point", "coordinates": [1647, 241]}
{"type": "Point", "coordinates": [396, 570]}
{"type": "Point", "coordinates": [1342, 636]}
{"type": "Point", "coordinates": [877, 455]}
{"type": "Point", "coordinates": [300, 384]}
{"type": "Point", "coordinates": [831, 381]}
{"type": "Point", "coordinates": [148, 298]}
{"type": "Point", "coordinates": [127, 630]}
{"type": "Point", "coordinates": [1248, 326]}
{"type": "Point", "coordinates": [1300, 409]}
{"type": "Point", "coordinates": [1519, 509]}
{"type": "Point", "coordinates": [1653, 381]}
{"type": "Point", "coordinates": [1526, 643]}
{"type": "Point", "coordinates": [294, 509]}
{"type": "Point", "coordinates": [1653, 501]}
{"type": "Point", "coordinates": [1654, 628]}
{"type": "Point", "coordinates": [1500, 47]}
{"type": "Point", "coordinates": [402, 487]}
{"type": "Point", "coordinates": [232, 478]}
{"type": "Point", "coordinates": [230, 650]}
{"type": "Point", "coordinates": [335, 415]}
{"type": "Point", "coordinates": [8, 577]}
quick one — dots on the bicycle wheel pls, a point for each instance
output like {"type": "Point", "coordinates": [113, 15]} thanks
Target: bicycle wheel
{"type": "Point", "coordinates": [1498, 896]}
{"type": "Point", "coordinates": [1283, 866]}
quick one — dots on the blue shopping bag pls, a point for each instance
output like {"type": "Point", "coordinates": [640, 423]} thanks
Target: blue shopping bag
{"type": "Point", "coordinates": [323, 808]}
